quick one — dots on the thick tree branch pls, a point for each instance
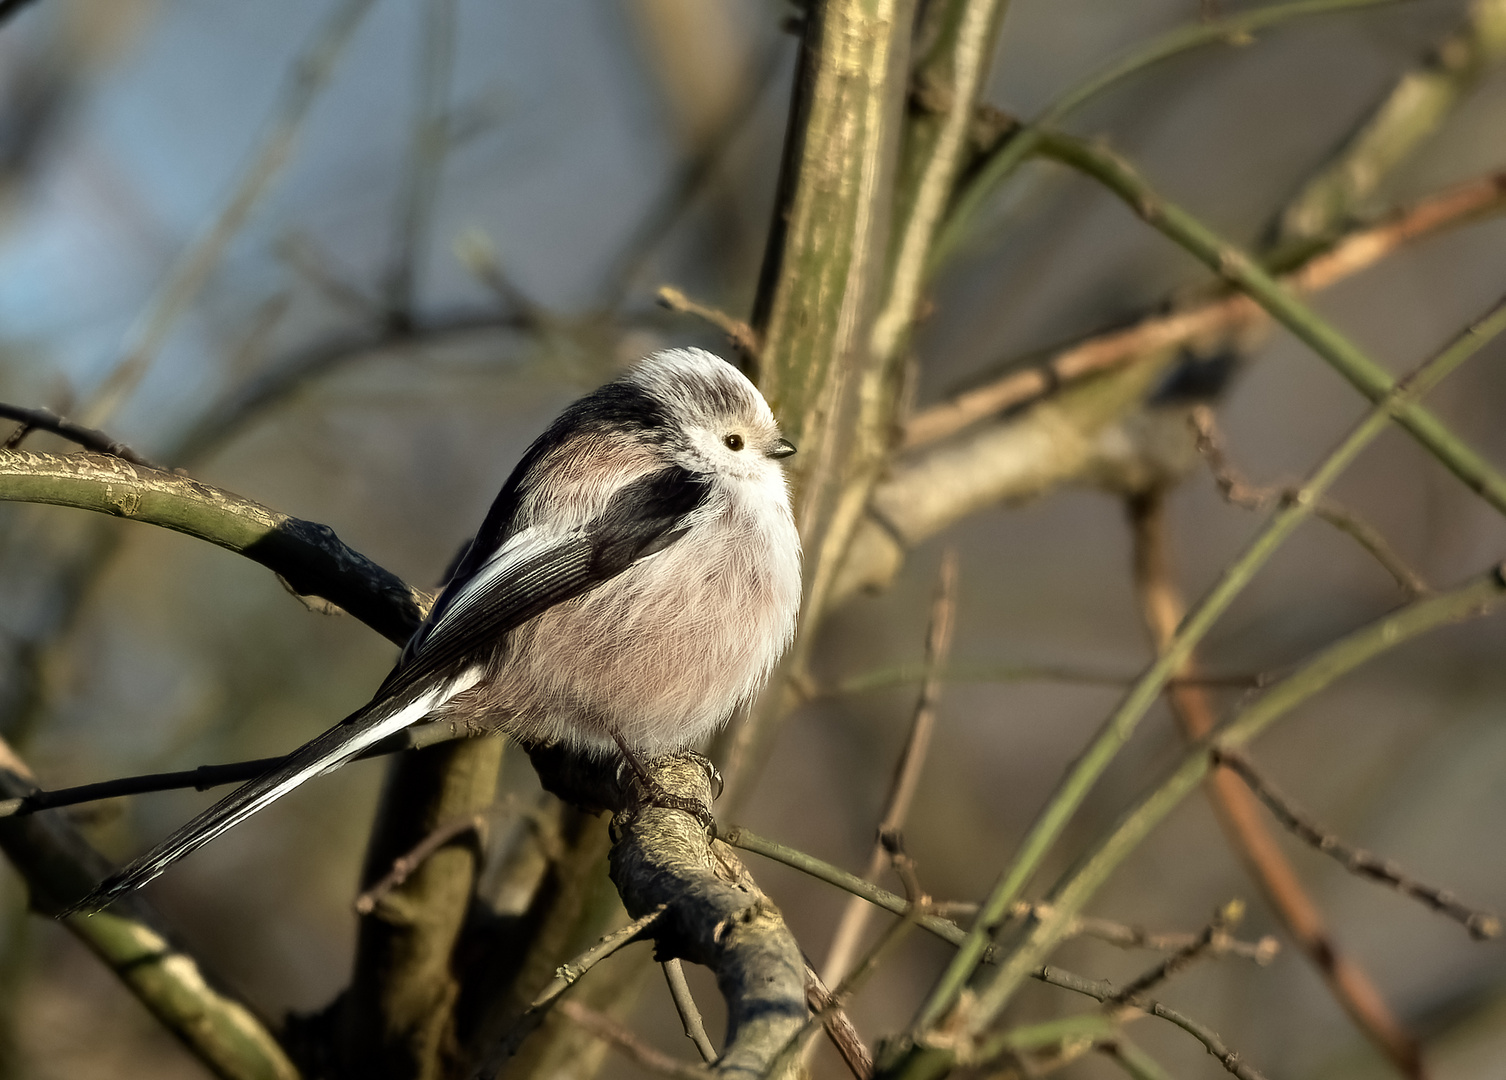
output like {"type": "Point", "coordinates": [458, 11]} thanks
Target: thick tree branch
{"type": "Point", "coordinates": [307, 555]}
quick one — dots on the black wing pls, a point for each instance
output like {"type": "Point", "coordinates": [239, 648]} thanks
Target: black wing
{"type": "Point", "coordinates": [476, 609]}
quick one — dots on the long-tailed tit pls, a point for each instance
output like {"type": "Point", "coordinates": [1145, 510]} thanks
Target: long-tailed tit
{"type": "Point", "coordinates": [634, 582]}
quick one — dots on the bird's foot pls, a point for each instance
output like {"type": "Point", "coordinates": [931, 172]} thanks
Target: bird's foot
{"type": "Point", "coordinates": [649, 791]}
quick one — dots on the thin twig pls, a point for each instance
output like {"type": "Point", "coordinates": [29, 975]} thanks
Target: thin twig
{"type": "Point", "coordinates": [689, 180]}
{"type": "Point", "coordinates": [738, 332]}
{"type": "Point", "coordinates": [1261, 952]}
{"type": "Point", "coordinates": [839, 1028]}
{"type": "Point", "coordinates": [565, 976]}
{"type": "Point", "coordinates": [690, 1015]}
{"type": "Point", "coordinates": [1225, 917]}
{"type": "Point", "coordinates": [907, 770]}
{"type": "Point", "coordinates": [838, 998]}
{"type": "Point", "coordinates": [404, 865]}
{"type": "Point", "coordinates": [428, 143]}
{"type": "Point", "coordinates": [1482, 925]}
{"type": "Point", "coordinates": [299, 250]}
{"type": "Point", "coordinates": [902, 674]}
{"type": "Point", "coordinates": [1359, 250]}
{"type": "Point", "coordinates": [206, 777]}
{"type": "Point", "coordinates": [630, 1045]}
{"type": "Point", "coordinates": [1239, 269]}
{"type": "Point", "coordinates": [1030, 950]}
{"type": "Point", "coordinates": [1105, 992]}
{"type": "Point", "coordinates": [1239, 491]}
{"type": "Point", "coordinates": [1163, 609]}
{"type": "Point", "coordinates": [87, 437]}
{"type": "Point", "coordinates": [306, 79]}
{"type": "Point", "coordinates": [1136, 1063]}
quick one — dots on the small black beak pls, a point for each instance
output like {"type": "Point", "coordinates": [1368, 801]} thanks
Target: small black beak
{"type": "Point", "coordinates": [782, 449]}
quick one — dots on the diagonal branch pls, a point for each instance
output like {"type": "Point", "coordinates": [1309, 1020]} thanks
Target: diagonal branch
{"type": "Point", "coordinates": [1239, 269]}
{"type": "Point", "coordinates": [59, 866]}
{"type": "Point", "coordinates": [1482, 925]}
{"type": "Point", "coordinates": [1358, 250]}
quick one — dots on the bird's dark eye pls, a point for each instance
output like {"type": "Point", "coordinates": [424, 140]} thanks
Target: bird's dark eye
{"type": "Point", "coordinates": [733, 441]}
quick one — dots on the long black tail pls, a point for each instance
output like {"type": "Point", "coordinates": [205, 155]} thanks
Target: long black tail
{"type": "Point", "coordinates": [325, 752]}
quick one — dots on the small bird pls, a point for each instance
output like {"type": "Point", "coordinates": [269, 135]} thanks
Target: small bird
{"type": "Point", "coordinates": [635, 581]}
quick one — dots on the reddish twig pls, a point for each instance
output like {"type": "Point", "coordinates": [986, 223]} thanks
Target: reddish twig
{"type": "Point", "coordinates": [1239, 812]}
{"type": "Point", "coordinates": [1359, 250]}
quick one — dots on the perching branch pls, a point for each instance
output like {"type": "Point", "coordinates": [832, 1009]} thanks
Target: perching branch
{"type": "Point", "coordinates": [714, 915]}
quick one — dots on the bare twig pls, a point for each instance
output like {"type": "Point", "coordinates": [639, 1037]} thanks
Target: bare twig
{"type": "Point", "coordinates": [1482, 925]}
{"type": "Point", "coordinates": [1239, 491]}
{"type": "Point", "coordinates": [305, 81]}
{"type": "Point", "coordinates": [738, 332]}
{"type": "Point", "coordinates": [428, 143]}
{"type": "Point", "coordinates": [1227, 916]}
{"type": "Point", "coordinates": [565, 976]}
{"type": "Point", "coordinates": [1105, 992]}
{"type": "Point", "coordinates": [693, 175]}
{"type": "Point", "coordinates": [944, 928]}
{"type": "Point", "coordinates": [1136, 1063]}
{"type": "Point", "coordinates": [404, 865]}
{"type": "Point", "coordinates": [1163, 609]}
{"type": "Point", "coordinates": [1261, 952]}
{"type": "Point", "coordinates": [1454, 206]}
{"type": "Point", "coordinates": [478, 254]}
{"type": "Point", "coordinates": [206, 777]}
{"type": "Point", "coordinates": [647, 1057]}
{"type": "Point", "coordinates": [87, 437]}
{"type": "Point", "coordinates": [839, 1029]}
{"type": "Point", "coordinates": [690, 1015]}
{"type": "Point", "coordinates": [836, 1000]}
{"type": "Point", "coordinates": [907, 770]}
{"type": "Point", "coordinates": [299, 250]}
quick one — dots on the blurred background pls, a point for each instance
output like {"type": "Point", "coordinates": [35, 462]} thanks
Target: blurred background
{"type": "Point", "coordinates": [348, 258]}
